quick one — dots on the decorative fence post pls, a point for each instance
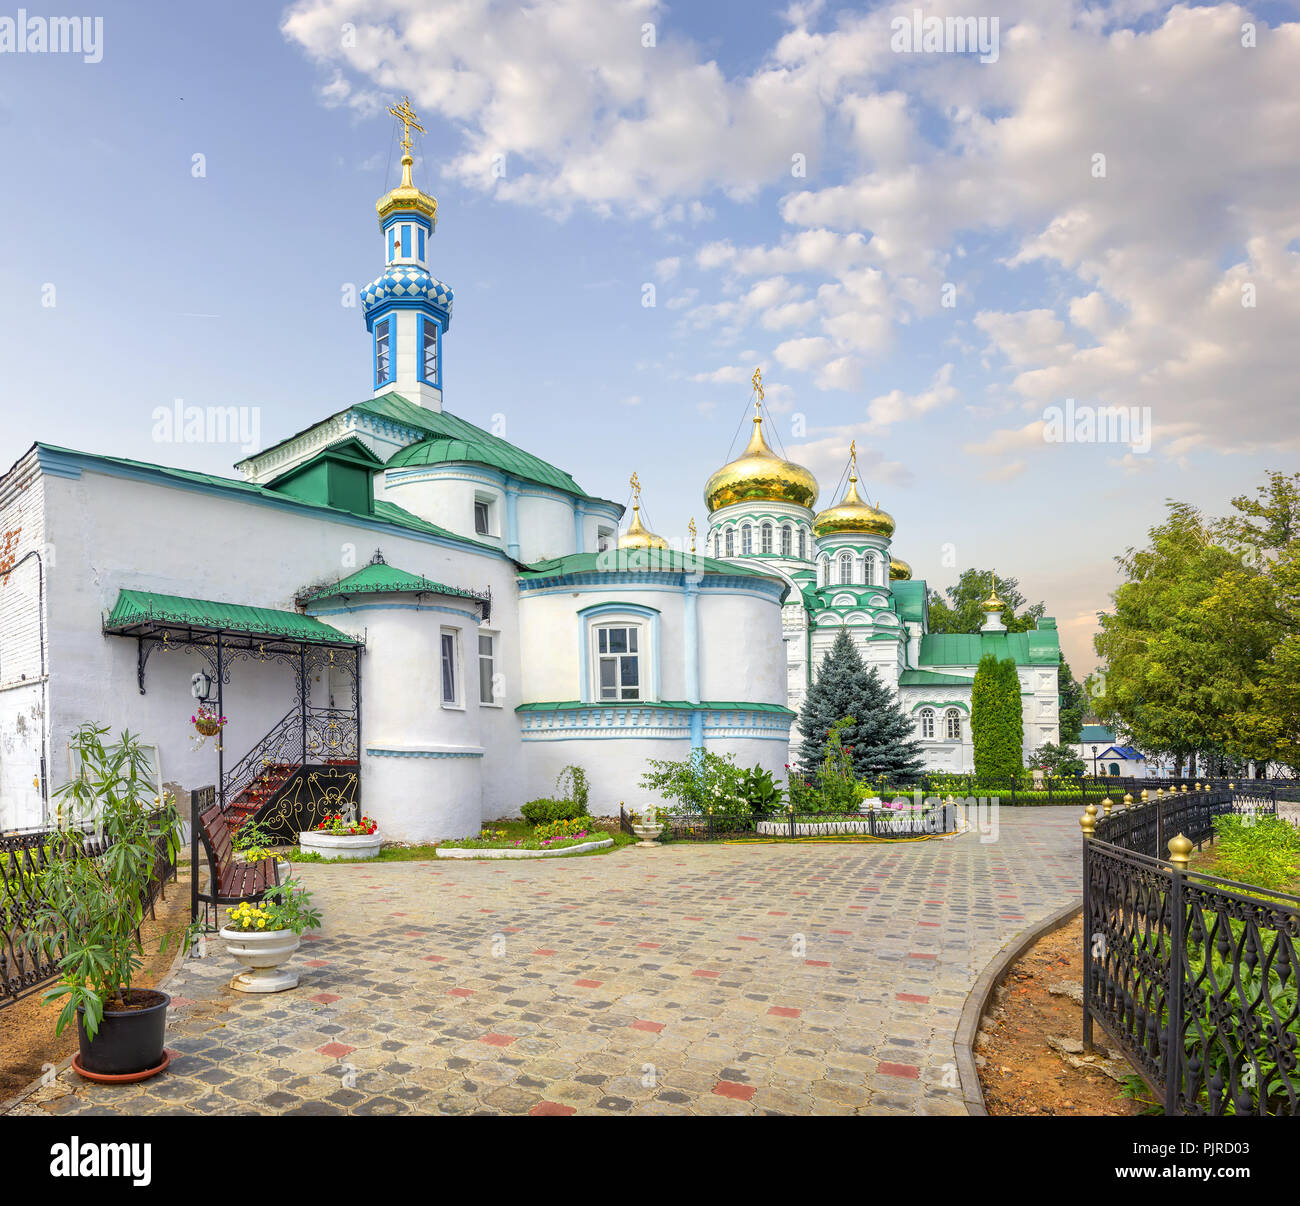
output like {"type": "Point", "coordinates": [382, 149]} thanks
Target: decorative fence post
{"type": "Point", "coordinates": [1088, 823]}
{"type": "Point", "coordinates": [194, 855]}
{"type": "Point", "coordinates": [1179, 849]}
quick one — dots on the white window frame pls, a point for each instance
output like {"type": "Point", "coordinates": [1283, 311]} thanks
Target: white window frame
{"type": "Point", "coordinates": [746, 540]}
{"type": "Point", "coordinates": [803, 545]}
{"type": "Point", "coordinates": [489, 504]}
{"type": "Point", "coordinates": [605, 539]}
{"type": "Point", "coordinates": [491, 658]}
{"type": "Point", "coordinates": [926, 718]}
{"type": "Point", "coordinates": [765, 538]}
{"type": "Point", "coordinates": [457, 703]}
{"type": "Point", "coordinates": [643, 653]}
{"type": "Point", "coordinates": [952, 720]}
{"type": "Point", "coordinates": [787, 540]}
{"type": "Point", "coordinates": [845, 563]}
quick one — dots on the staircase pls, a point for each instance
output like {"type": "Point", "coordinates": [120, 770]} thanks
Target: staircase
{"type": "Point", "coordinates": [328, 738]}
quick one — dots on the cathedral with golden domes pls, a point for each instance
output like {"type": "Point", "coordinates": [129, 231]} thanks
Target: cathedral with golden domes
{"type": "Point", "coordinates": [842, 574]}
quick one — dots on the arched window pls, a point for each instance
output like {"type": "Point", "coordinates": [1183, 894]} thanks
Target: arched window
{"type": "Point", "coordinates": [846, 569]}
{"type": "Point", "coordinates": [731, 542]}
{"type": "Point", "coordinates": [746, 540]}
{"type": "Point", "coordinates": [765, 538]}
{"type": "Point", "coordinates": [824, 571]}
{"type": "Point", "coordinates": [786, 541]}
{"type": "Point", "coordinates": [803, 546]}
{"type": "Point", "coordinates": [869, 565]}
{"type": "Point", "coordinates": [952, 724]}
{"type": "Point", "coordinates": [927, 722]}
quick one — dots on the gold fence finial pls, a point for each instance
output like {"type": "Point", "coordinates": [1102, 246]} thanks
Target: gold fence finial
{"type": "Point", "coordinates": [1180, 848]}
{"type": "Point", "coordinates": [1107, 804]}
{"type": "Point", "coordinates": [1088, 822]}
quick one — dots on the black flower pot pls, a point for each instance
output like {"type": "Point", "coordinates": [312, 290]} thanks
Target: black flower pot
{"type": "Point", "coordinates": [128, 1040]}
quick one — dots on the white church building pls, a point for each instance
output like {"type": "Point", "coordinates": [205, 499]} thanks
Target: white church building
{"type": "Point", "coordinates": [394, 606]}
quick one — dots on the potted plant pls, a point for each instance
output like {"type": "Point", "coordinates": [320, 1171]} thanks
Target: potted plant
{"type": "Point", "coordinates": [206, 724]}
{"type": "Point", "coordinates": [342, 835]}
{"type": "Point", "coordinates": [92, 902]}
{"type": "Point", "coordinates": [263, 935]}
{"type": "Point", "coordinates": [647, 826]}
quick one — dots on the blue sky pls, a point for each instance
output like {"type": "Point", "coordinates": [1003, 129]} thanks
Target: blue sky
{"type": "Point", "coordinates": [672, 165]}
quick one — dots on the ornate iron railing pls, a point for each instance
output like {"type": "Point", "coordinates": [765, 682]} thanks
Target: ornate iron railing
{"type": "Point", "coordinates": [1192, 976]}
{"type": "Point", "coordinates": [27, 959]}
{"type": "Point", "coordinates": [323, 736]}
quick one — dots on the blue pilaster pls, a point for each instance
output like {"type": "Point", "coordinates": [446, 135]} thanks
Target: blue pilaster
{"type": "Point", "coordinates": [512, 518]}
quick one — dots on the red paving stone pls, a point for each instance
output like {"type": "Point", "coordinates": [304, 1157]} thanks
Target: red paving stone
{"type": "Point", "coordinates": [589, 983]}
{"type": "Point", "coordinates": [912, 997]}
{"type": "Point", "coordinates": [324, 998]}
{"type": "Point", "coordinates": [461, 992]}
{"type": "Point", "coordinates": [784, 1011]}
{"type": "Point", "coordinates": [551, 1109]}
{"type": "Point", "coordinates": [652, 1027]}
{"type": "Point", "coordinates": [497, 1040]}
{"type": "Point", "coordinates": [903, 1071]}
{"type": "Point", "coordinates": [730, 1088]}
{"type": "Point", "coordinates": [336, 1050]}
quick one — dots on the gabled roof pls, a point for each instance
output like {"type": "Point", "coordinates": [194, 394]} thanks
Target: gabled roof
{"type": "Point", "coordinates": [1126, 752]}
{"type": "Point", "coordinates": [448, 438]}
{"type": "Point", "coordinates": [911, 599]}
{"type": "Point", "coordinates": [142, 612]}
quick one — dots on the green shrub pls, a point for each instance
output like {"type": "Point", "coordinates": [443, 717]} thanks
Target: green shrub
{"type": "Point", "coordinates": [572, 785]}
{"type": "Point", "coordinates": [543, 811]}
{"type": "Point", "coordinates": [702, 782]}
{"type": "Point", "coordinates": [561, 829]}
{"type": "Point", "coordinates": [760, 790]}
{"type": "Point", "coordinates": [1262, 850]}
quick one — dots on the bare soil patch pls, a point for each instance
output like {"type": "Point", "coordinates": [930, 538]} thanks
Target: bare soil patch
{"type": "Point", "coordinates": [27, 1041]}
{"type": "Point", "coordinates": [1021, 1073]}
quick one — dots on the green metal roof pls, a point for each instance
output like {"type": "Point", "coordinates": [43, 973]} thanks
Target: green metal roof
{"type": "Point", "coordinates": [676, 704]}
{"type": "Point", "coordinates": [615, 561]}
{"type": "Point", "coordinates": [381, 579]}
{"type": "Point", "coordinates": [911, 597]}
{"type": "Point", "coordinates": [931, 678]}
{"type": "Point", "coordinates": [385, 512]}
{"type": "Point", "coordinates": [1032, 648]}
{"type": "Point", "coordinates": [1096, 732]}
{"type": "Point", "coordinates": [146, 610]}
{"type": "Point", "coordinates": [452, 439]}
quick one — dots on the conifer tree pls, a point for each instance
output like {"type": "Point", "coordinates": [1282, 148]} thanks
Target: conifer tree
{"type": "Point", "coordinates": [881, 739]}
{"type": "Point", "coordinates": [996, 721]}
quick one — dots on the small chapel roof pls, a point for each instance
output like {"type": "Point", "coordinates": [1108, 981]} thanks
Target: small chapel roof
{"type": "Point", "coordinates": [380, 578]}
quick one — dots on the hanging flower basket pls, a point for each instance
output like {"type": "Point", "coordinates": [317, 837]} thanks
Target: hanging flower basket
{"type": "Point", "coordinates": [206, 723]}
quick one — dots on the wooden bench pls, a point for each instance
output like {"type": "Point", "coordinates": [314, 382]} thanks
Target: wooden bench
{"type": "Point", "coordinates": [230, 881]}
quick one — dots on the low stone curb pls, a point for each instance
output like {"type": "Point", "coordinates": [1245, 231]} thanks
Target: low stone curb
{"type": "Point", "coordinates": [462, 852]}
{"type": "Point", "coordinates": [977, 1001]}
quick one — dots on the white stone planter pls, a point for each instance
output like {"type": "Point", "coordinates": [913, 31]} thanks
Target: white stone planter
{"type": "Point", "coordinates": [262, 952]}
{"type": "Point", "coordinates": [647, 833]}
{"type": "Point", "coordinates": [503, 852]}
{"type": "Point", "coordinates": [328, 845]}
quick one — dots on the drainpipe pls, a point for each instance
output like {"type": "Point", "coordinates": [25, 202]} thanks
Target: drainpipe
{"type": "Point", "coordinates": [512, 518]}
{"type": "Point", "coordinates": [691, 631]}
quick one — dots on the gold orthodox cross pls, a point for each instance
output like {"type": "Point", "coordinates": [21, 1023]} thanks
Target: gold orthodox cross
{"type": "Point", "coordinates": [635, 483]}
{"type": "Point", "coordinates": [691, 529]}
{"type": "Point", "coordinates": [757, 381]}
{"type": "Point", "coordinates": [406, 115]}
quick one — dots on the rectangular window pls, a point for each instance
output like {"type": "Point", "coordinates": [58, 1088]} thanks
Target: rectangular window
{"type": "Point", "coordinates": [618, 662]}
{"type": "Point", "coordinates": [406, 241]}
{"type": "Point", "coordinates": [383, 351]}
{"type": "Point", "coordinates": [420, 233]}
{"type": "Point", "coordinates": [449, 669]}
{"type": "Point", "coordinates": [430, 350]}
{"type": "Point", "coordinates": [487, 668]}
{"type": "Point", "coordinates": [482, 517]}
{"type": "Point", "coordinates": [392, 241]}
{"type": "Point", "coordinates": [604, 539]}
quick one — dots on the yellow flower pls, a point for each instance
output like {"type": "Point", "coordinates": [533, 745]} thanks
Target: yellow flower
{"type": "Point", "coordinates": [260, 924]}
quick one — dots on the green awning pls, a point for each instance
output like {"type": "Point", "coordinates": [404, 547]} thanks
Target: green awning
{"type": "Point", "coordinates": [378, 578]}
{"type": "Point", "coordinates": [140, 613]}
{"type": "Point", "coordinates": [932, 678]}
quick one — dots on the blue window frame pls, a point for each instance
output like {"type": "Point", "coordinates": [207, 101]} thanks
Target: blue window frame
{"type": "Point", "coordinates": [392, 237]}
{"type": "Point", "coordinates": [406, 241]}
{"type": "Point", "coordinates": [383, 352]}
{"type": "Point", "coordinates": [420, 238]}
{"type": "Point", "coordinates": [430, 335]}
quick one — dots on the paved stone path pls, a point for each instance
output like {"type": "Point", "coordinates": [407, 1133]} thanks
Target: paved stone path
{"type": "Point", "coordinates": [783, 978]}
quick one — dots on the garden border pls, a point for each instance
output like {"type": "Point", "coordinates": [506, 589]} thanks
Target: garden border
{"type": "Point", "coordinates": [981, 993]}
{"type": "Point", "coordinates": [469, 852]}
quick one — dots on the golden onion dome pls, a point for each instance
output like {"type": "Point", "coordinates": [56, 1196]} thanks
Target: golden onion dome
{"type": "Point", "coordinates": [406, 198]}
{"type": "Point", "coordinates": [899, 570]}
{"type": "Point", "coordinates": [638, 536]}
{"type": "Point", "coordinates": [852, 514]}
{"type": "Point", "coordinates": [994, 602]}
{"type": "Point", "coordinates": [759, 475]}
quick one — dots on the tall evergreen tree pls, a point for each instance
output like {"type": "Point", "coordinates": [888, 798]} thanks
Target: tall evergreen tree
{"type": "Point", "coordinates": [996, 721]}
{"type": "Point", "coordinates": [882, 739]}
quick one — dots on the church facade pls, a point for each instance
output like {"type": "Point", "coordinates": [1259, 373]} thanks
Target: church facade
{"type": "Point", "coordinates": [393, 607]}
{"type": "Point", "coordinates": [841, 574]}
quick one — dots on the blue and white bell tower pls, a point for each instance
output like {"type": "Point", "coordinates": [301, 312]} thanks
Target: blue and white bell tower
{"type": "Point", "coordinates": [407, 309]}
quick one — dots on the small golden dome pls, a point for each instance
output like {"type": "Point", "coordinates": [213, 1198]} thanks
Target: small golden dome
{"type": "Point", "coordinates": [406, 197]}
{"type": "Point", "coordinates": [899, 570]}
{"type": "Point", "coordinates": [759, 475]}
{"type": "Point", "coordinates": [994, 602]}
{"type": "Point", "coordinates": [638, 536]}
{"type": "Point", "coordinates": [852, 514]}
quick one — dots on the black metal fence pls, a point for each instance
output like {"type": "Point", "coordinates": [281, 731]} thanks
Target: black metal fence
{"type": "Point", "coordinates": [1192, 976]}
{"type": "Point", "coordinates": [1084, 789]}
{"type": "Point", "coordinates": [932, 817]}
{"type": "Point", "coordinates": [26, 961]}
